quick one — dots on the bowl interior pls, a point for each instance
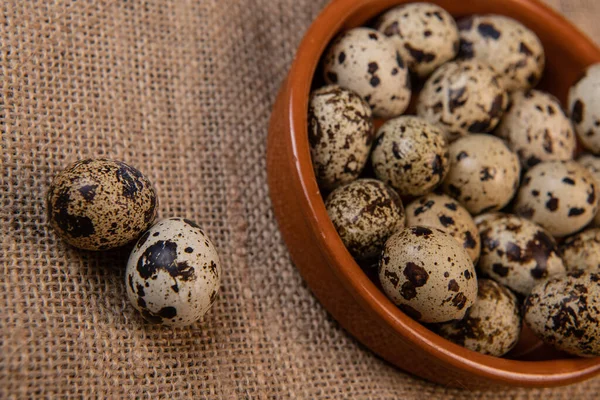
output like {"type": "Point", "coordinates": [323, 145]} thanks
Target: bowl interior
{"type": "Point", "coordinates": [568, 53]}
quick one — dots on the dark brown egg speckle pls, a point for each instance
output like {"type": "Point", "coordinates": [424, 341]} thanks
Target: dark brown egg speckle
{"type": "Point", "coordinates": [565, 313]}
{"type": "Point", "coordinates": [537, 129]}
{"type": "Point", "coordinates": [427, 274]}
{"type": "Point", "coordinates": [99, 204]}
{"type": "Point", "coordinates": [484, 173]}
{"type": "Point", "coordinates": [561, 196]}
{"type": "Point", "coordinates": [340, 132]}
{"type": "Point", "coordinates": [425, 35]}
{"type": "Point", "coordinates": [463, 97]}
{"type": "Point", "coordinates": [516, 252]}
{"type": "Point", "coordinates": [411, 155]}
{"type": "Point", "coordinates": [365, 213]}
{"type": "Point", "coordinates": [491, 326]}
{"type": "Point", "coordinates": [443, 212]}
{"type": "Point", "coordinates": [584, 107]}
{"type": "Point", "coordinates": [513, 50]}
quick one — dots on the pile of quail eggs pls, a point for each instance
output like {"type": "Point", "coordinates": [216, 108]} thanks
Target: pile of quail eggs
{"type": "Point", "coordinates": [173, 273]}
{"type": "Point", "coordinates": [471, 214]}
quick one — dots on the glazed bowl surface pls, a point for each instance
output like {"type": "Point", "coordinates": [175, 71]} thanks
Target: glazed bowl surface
{"type": "Point", "coordinates": [319, 254]}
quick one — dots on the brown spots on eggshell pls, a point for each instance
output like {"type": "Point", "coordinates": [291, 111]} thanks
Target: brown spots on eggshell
{"type": "Point", "coordinates": [425, 35]}
{"type": "Point", "coordinates": [584, 106]}
{"type": "Point", "coordinates": [371, 67]}
{"type": "Point", "coordinates": [517, 253]}
{"type": "Point", "coordinates": [560, 211]}
{"type": "Point", "coordinates": [99, 204]}
{"type": "Point", "coordinates": [564, 313]}
{"type": "Point", "coordinates": [582, 251]}
{"type": "Point", "coordinates": [425, 274]}
{"type": "Point", "coordinates": [365, 213]}
{"type": "Point", "coordinates": [340, 131]}
{"type": "Point", "coordinates": [463, 97]}
{"type": "Point", "coordinates": [535, 131]}
{"type": "Point", "coordinates": [410, 155]}
{"type": "Point", "coordinates": [443, 212]}
{"type": "Point", "coordinates": [513, 50]}
{"type": "Point", "coordinates": [491, 326]}
{"type": "Point", "coordinates": [484, 173]}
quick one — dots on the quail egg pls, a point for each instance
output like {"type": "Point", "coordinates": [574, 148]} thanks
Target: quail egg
{"type": "Point", "coordinates": [100, 204]}
{"type": "Point", "coordinates": [484, 173]}
{"type": "Point", "coordinates": [365, 61]}
{"type": "Point", "coordinates": [425, 35]}
{"type": "Point", "coordinates": [584, 106]}
{"type": "Point", "coordinates": [517, 253]}
{"type": "Point", "coordinates": [410, 154]}
{"type": "Point", "coordinates": [427, 274]}
{"type": "Point", "coordinates": [445, 213]}
{"type": "Point", "coordinates": [365, 213]}
{"type": "Point", "coordinates": [173, 273]}
{"type": "Point", "coordinates": [565, 312]}
{"type": "Point", "coordinates": [537, 129]}
{"type": "Point", "coordinates": [491, 326]}
{"type": "Point", "coordinates": [463, 97]}
{"type": "Point", "coordinates": [340, 132]}
{"type": "Point", "coordinates": [592, 164]}
{"type": "Point", "coordinates": [507, 45]}
{"type": "Point", "coordinates": [558, 195]}
{"type": "Point", "coordinates": [582, 251]}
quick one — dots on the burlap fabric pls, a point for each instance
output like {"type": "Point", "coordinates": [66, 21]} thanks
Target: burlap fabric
{"type": "Point", "coordinates": [182, 90]}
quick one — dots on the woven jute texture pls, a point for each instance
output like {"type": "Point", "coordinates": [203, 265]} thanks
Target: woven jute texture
{"type": "Point", "coordinates": [182, 90]}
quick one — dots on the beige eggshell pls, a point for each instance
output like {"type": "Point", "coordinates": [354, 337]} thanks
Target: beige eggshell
{"type": "Point", "coordinates": [366, 62]}
{"type": "Point", "coordinates": [584, 107]}
{"type": "Point", "coordinates": [582, 251]}
{"type": "Point", "coordinates": [491, 326]}
{"type": "Point", "coordinates": [565, 313]}
{"type": "Point", "coordinates": [561, 196]}
{"type": "Point", "coordinates": [517, 253]}
{"type": "Point", "coordinates": [173, 273]}
{"type": "Point", "coordinates": [410, 155]}
{"type": "Point", "coordinates": [463, 97]}
{"type": "Point", "coordinates": [484, 173]}
{"type": "Point", "coordinates": [425, 35]}
{"type": "Point", "coordinates": [537, 129]}
{"type": "Point", "coordinates": [512, 49]}
{"type": "Point", "coordinates": [445, 213]}
{"type": "Point", "coordinates": [592, 163]}
{"type": "Point", "coordinates": [100, 204]}
{"type": "Point", "coordinates": [365, 214]}
{"type": "Point", "coordinates": [428, 274]}
{"type": "Point", "coordinates": [340, 132]}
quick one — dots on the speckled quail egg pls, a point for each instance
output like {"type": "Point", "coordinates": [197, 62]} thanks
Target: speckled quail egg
{"type": "Point", "coordinates": [445, 213]}
{"type": "Point", "coordinates": [537, 129]}
{"type": "Point", "coordinates": [463, 97]}
{"type": "Point", "coordinates": [507, 45]}
{"type": "Point", "coordinates": [425, 35]}
{"type": "Point", "coordinates": [340, 132]}
{"type": "Point", "coordinates": [173, 273]}
{"type": "Point", "coordinates": [558, 195]}
{"type": "Point", "coordinates": [427, 274]}
{"type": "Point", "coordinates": [565, 312]}
{"type": "Point", "coordinates": [365, 213]}
{"type": "Point", "coordinates": [100, 204]}
{"type": "Point", "coordinates": [582, 251]}
{"type": "Point", "coordinates": [484, 173]}
{"type": "Point", "coordinates": [365, 61]}
{"type": "Point", "coordinates": [584, 106]}
{"type": "Point", "coordinates": [517, 253]}
{"type": "Point", "coordinates": [491, 326]}
{"type": "Point", "coordinates": [410, 154]}
{"type": "Point", "coordinates": [592, 164]}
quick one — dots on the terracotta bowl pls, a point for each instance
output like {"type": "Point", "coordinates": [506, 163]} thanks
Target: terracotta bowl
{"type": "Point", "coordinates": [328, 268]}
